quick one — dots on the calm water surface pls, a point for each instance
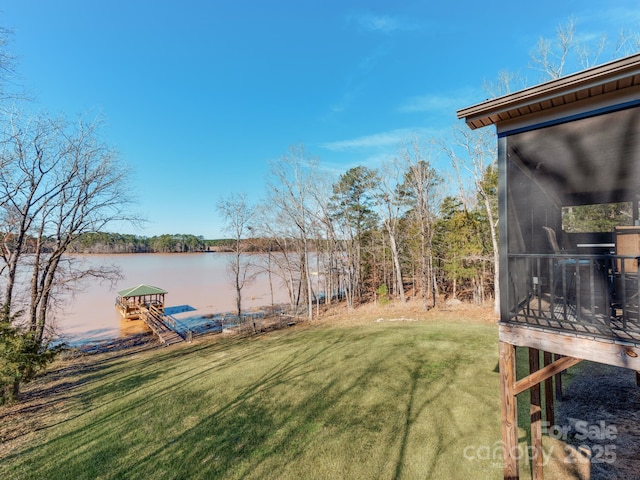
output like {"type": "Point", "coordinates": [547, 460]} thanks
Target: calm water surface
{"type": "Point", "coordinates": [197, 280]}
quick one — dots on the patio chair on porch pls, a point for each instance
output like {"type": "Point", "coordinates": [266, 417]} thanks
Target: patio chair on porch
{"type": "Point", "coordinates": [625, 272]}
{"type": "Point", "coordinates": [553, 240]}
{"type": "Point", "coordinates": [593, 290]}
{"type": "Point", "coordinates": [563, 268]}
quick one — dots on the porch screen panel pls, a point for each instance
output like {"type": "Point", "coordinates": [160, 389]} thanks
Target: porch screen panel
{"type": "Point", "coordinates": [518, 191]}
{"type": "Point", "coordinates": [585, 161]}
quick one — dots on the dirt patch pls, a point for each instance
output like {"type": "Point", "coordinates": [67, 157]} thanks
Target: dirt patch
{"type": "Point", "coordinates": [410, 311]}
{"type": "Point", "coordinates": [600, 413]}
{"type": "Point", "coordinates": [116, 344]}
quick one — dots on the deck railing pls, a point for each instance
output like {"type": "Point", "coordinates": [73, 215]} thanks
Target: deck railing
{"type": "Point", "coordinates": [597, 294]}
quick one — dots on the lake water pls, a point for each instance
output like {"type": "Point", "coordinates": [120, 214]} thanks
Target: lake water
{"type": "Point", "coordinates": [196, 283]}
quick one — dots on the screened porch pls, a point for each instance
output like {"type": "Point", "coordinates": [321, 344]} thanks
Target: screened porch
{"type": "Point", "coordinates": [572, 226]}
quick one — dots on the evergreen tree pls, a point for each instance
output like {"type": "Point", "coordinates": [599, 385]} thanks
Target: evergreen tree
{"type": "Point", "coordinates": [352, 206]}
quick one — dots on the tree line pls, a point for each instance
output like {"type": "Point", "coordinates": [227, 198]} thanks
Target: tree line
{"type": "Point", "coordinates": [372, 234]}
{"type": "Point", "coordinates": [114, 243]}
{"type": "Point", "coordinates": [108, 243]}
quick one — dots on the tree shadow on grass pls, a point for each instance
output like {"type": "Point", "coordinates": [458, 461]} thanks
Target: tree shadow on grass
{"type": "Point", "coordinates": [243, 433]}
{"type": "Point", "coordinates": [270, 421]}
{"type": "Point", "coordinates": [432, 378]}
{"type": "Point", "coordinates": [148, 372]}
{"type": "Point", "coordinates": [415, 376]}
{"type": "Point", "coordinates": [254, 428]}
{"type": "Point", "coordinates": [86, 380]}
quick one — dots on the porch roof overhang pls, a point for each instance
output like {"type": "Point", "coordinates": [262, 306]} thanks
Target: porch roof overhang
{"type": "Point", "coordinates": [587, 86]}
{"type": "Point", "coordinates": [576, 137]}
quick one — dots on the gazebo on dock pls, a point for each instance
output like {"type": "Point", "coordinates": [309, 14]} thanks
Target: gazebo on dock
{"type": "Point", "coordinates": [129, 301]}
{"type": "Point", "coordinates": [568, 199]}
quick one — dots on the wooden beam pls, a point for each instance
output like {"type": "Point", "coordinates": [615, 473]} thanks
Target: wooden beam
{"type": "Point", "coordinates": [544, 373]}
{"type": "Point", "coordinates": [558, 378]}
{"type": "Point", "coordinates": [548, 392]}
{"type": "Point", "coordinates": [619, 353]}
{"type": "Point", "coordinates": [536, 418]}
{"type": "Point", "coordinates": [508, 408]}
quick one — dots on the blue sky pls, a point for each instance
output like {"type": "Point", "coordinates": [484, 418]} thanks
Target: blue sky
{"type": "Point", "coordinates": [200, 96]}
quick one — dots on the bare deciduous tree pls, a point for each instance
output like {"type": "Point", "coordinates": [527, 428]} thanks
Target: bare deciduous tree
{"type": "Point", "coordinates": [290, 194]}
{"type": "Point", "coordinates": [505, 83]}
{"type": "Point", "coordinates": [550, 57]}
{"type": "Point", "coordinates": [238, 215]}
{"type": "Point", "coordinates": [471, 153]}
{"type": "Point", "coordinates": [392, 207]}
{"type": "Point", "coordinates": [57, 181]}
{"type": "Point", "coordinates": [420, 183]}
{"type": "Point", "coordinates": [9, 88]}
{"type": "Point", "coordinates": [553, 57]}
{"type": "Point", "coordinates": [277, 254]}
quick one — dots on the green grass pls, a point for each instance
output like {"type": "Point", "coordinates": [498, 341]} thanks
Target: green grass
{"type": "Point", "coordinates": [385, 400]}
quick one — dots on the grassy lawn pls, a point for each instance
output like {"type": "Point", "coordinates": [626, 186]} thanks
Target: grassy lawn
{"type": "Point", "coordinates": [374, 400]}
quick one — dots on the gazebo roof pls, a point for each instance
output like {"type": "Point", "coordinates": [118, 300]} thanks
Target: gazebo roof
{"type": "Point", "coordinates": [141, 290]}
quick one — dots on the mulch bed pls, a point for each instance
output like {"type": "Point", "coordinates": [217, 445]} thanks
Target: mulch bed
{"type": "Point", "coordinates": [601, 412]}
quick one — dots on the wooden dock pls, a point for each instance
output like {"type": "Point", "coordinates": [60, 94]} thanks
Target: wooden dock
{"type": "Point", "coordinates": [146, 302]}
{"type": "Point", "coordinates": [157, 321]}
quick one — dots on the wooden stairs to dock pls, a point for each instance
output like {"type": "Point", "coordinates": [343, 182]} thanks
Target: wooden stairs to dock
{"type": "Point", "coordinates": [157, 322]}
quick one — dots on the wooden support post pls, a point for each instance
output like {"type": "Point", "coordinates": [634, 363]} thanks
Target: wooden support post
{"type": "Point", "coordinates": [508, 407]}
{"type": "Point", "coordinates": [548, 392]}
{"type": "Point", "coordinates": [558, 378]}
{"type": "Point", "coordinates": [536, 418]}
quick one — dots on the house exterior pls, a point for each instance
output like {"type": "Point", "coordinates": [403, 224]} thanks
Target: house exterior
{"type": "Point", "coordinates": [569, 189]}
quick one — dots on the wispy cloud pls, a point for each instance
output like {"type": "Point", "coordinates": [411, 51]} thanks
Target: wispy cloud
{"type": "Point", "coordinates": [427, 103]}
{"type": "Point", "coordinates": [380, 140]}
{"type": "Point", "coordinates": [376, 23]}
{"type": "Point", "coordinates": [440, 103]}
{"type": "Point", "coordinates": [356, 80]}
{"type": "Point", "coordinates": [618, 15]}
{"type": "Point", "coordinates": [337, 168]}
{"type": "Point", "coordinates": [617, 27]}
